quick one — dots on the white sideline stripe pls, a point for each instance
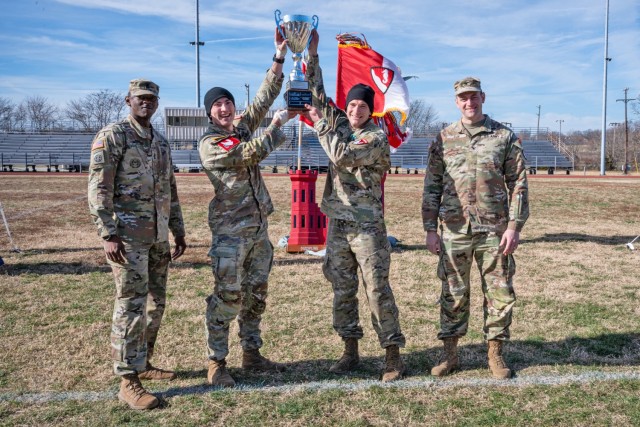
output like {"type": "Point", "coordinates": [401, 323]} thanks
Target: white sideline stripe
{"type": "Point", "coordinates": [431, 383]}
{"type": "Point", "coordinates": [45, 208]}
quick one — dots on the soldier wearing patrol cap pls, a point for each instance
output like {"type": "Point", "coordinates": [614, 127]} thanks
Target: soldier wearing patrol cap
{"type": "Point", "coordinates": [475, 191]}
{"type": "Point", "coordinates": [133, 201]}
{"type": "Point", "coordinates": [359, 156]}
{"type": "Point", "coordinates": [241, 253]}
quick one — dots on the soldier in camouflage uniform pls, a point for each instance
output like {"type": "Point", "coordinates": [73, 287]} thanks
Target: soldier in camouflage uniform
{"type": "Point", "coordinates": [241, 253]}
{"type": "Point", "coordinates": [358, 153]}
{"type": "Point", "coordinates": [476, 186]}
{"type": "Point", "coordinates": [133, 200]}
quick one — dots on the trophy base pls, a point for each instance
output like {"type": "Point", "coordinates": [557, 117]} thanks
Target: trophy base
{"type": "Point", "coordinates": [297, 98]}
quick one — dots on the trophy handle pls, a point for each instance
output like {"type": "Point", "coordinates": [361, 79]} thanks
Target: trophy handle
{"type": "Point", "coordinates": [277, 15]}
{"type": "Point", "coordinates": [315, 20]}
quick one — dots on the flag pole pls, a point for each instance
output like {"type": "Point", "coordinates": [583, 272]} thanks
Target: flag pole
{"type": "Point", "coordinates": [299, 144]}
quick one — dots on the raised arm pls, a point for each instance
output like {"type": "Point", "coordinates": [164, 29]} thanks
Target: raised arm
{"type": "Point", "coordinates": [269, 89]}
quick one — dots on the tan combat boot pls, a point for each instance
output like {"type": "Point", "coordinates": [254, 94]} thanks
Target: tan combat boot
{"type": "Point", "coordinates": [133, 394]}
{"type": "Point", "coordinates": [153, 373]}
{"type": "Point", "coordinates": [254, 361]}
{"type": "Point", "coordinates": [499, 369]}
{"type": "Point", "coordinates": [350, 358]}
{"type": "Point", "coordinates": [218, 374]}
{"type": "Point", "coordinates": [394, 366]}
{"type": "Point", "coordinates": [449, 359]}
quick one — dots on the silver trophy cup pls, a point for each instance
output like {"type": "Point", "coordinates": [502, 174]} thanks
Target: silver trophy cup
{"type": "Point", "coordinates": [296, 29]}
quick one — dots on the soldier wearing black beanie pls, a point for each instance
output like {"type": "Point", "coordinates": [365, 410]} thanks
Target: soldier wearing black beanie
{"type": "Point", "coordinates": [362, 92]}
{"type": "Point", "coordinates": [213, 95]}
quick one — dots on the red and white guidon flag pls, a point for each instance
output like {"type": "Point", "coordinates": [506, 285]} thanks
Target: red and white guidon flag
{"type": "Point", "coordinates": [358, 63]}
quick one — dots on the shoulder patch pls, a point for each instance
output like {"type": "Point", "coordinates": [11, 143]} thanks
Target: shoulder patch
{"type": "Point", "coordinates": [361, 141]}
{"type": "Point", "coordinates": [98, 157]}
{"type": "Point", "coordinates": [228, 143]}
{"type": "Point", "coordinates": [98, 144]}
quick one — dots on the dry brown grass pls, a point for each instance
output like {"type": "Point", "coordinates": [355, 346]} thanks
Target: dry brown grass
{"type": "Point", "coordinates": [576, 283]}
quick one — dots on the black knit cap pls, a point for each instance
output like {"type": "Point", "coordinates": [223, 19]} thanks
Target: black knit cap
{"type": "Point", "coordinates": [213, 95]}
{"type": "Point", "coordinates": [361, 92]}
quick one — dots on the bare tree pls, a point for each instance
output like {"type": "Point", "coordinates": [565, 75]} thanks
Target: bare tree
{"type": "Point", "coordinates": [41, 113]}
{"type": "Point", "coordinates": [421, 117]}
{"type": "Point", "coordinates": [6, 113]}
{"type": "Point", "coordinates": [96, 110]}
{"type": "Point", "coordinates": [20, 117]}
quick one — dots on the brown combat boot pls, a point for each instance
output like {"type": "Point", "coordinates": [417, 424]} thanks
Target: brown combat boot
{"type": "Point", "coordinates": [218, 374]}
{"type": "Point", "coordinates": [133, 394]}
{"type": "Point", "coordinates": [254, 361]}
{"type": "Point", "coordinates": [449, 359]}
{"type": "Point", "coordinates": [153, 373]}
{"type": "Point", "coordinates": [350, 358]}
{"type": "Point", "coordinates": [499, 369]}
{"type": "Point", "coordinates": [394, 366]}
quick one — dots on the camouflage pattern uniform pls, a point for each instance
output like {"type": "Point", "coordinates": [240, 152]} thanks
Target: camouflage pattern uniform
{"type": "Point", "coordinates": [357, 236]}
{"type": "Point", "coordinates": [477, 186]}
{"type": "Point", "coordinates": [241, 253]}
{"type": "Point", "coordinates": [133, 194]}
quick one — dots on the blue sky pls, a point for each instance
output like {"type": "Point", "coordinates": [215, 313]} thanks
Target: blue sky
{"type": "Point", "coordinates": [527, 53]}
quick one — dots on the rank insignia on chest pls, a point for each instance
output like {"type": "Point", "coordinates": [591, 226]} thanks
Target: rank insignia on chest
{"type": "Point", "coordinates": [228, 143]}
{"type": "Point", "coordinates": [98, 157]}
{"type": "Point", "coordinates": [135, 163]}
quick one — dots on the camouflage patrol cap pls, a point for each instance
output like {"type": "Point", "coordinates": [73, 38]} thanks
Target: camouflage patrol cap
{"type": "Point", "coordinates": [143, 87]}
{"type": "Point", "coordinates": [468, 84]}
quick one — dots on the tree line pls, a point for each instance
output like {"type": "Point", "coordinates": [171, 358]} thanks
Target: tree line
{"type": "Point", "coordinates": [36, 113]}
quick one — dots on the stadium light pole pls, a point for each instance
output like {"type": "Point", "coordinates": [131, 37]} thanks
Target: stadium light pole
{"type": "Point", "coordinates": [197, 44]}
{"type": "Point", "coordinates": [603, 141]}
{"type": "Point", "coordinates": [560, 121]}
{"type": "Point", "coordinates": [246, 86]}
{"type": "Point", "coordinates": [538, 131]}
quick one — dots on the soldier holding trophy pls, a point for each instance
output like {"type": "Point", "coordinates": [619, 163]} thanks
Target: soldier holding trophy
{"type": "Point", "coordinates": [359, 155]}
{"type": "Point", "coordinates": [241, 253]}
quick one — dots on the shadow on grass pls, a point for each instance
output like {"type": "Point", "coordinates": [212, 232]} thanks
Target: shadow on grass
{"type": "Point", "coordinates": [43, 268]}
{"type": "Point", "coordinates": [606, 350]}
{"type": "Point", "coordinates": [549, 238]}
{"type": "Point", "coordinates": [579, 237]}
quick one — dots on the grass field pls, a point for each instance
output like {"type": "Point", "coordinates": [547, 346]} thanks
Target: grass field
{"type": "Point", "coordinates": [575, 337]}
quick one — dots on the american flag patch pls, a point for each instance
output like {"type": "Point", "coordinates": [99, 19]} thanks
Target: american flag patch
{"type": "Point", "coordinates": [361, 142]}
{"type": "Point", "coordinates": [97, 144]}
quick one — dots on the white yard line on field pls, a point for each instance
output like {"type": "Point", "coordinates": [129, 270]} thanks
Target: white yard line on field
{"type": "Point", "coordinates": [412, 383]}
{"type": "Point", "coordinates": [22, 214]}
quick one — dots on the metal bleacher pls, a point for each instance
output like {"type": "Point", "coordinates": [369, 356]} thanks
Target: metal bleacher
{"type": "Point", "coordinates": [71, 152]}
{"type": "Point", "coordinates": [23, 151]}
{"type": "Point", "coordinates": [544, 154]}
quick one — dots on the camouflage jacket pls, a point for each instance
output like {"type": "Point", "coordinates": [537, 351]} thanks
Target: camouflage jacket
{"type": "Point", "coordinates": [132, 189]}
{"type": "Point", "coordinates": [358, 159]}
{"type": "Point", "coordinates": [231, 161]}
{"type": "Point", "coordinates": [476, 182]}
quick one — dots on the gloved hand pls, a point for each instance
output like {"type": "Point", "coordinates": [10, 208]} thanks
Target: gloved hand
{"type": "Point", "coordinates": [281, 117]}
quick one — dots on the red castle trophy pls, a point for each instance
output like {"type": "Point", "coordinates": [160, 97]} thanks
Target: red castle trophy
{"type": "Point", "coordinates": [308, 224]}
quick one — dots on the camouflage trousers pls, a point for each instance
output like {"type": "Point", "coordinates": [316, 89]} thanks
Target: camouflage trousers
{"type": "Point", "coordinates": [141, 290]}
{"type": "Point", "coordinates": [241, 266]}
{"type": "Point", "coordinates": [496, 275]}
{"type": "Point", "coordinates": [351, 245]}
